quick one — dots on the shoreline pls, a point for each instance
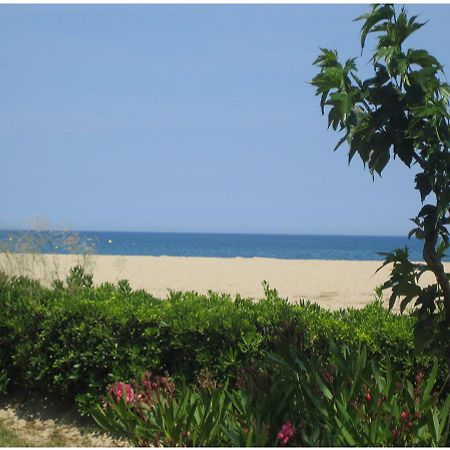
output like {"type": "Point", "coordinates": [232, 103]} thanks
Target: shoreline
{"type": "Point", "coordinates": [250, 258]}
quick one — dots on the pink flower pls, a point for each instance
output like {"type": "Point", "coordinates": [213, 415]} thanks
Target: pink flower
{"type": "Point", "coordinates": [286, 432]}
{"type": "Point", "coordinates": [123, 390]}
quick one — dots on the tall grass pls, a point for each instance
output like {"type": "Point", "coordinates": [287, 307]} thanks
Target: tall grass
{"type": "Point", "coordinates": [36, 252]}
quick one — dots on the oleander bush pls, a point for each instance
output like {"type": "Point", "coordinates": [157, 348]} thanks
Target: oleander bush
{"type": "Point", "coordinates": [153, 412]}
{"type": "Point", "coordinates": [74, 338]}
{"type": "Point", "coordinates": [348, 399]}
{"type": "Point", "coordinates": [342, 400]}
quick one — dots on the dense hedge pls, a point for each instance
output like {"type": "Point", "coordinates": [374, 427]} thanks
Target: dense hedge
{"type": "Point", "coordinates": [74, 338]}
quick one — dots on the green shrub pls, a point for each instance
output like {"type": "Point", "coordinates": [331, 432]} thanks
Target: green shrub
{"type": "Point", "coordinates": [348, 399]}
{"type": "Point", "coordinates": [343, 400]}
{"type": "Point", "coordinates": [149, 413]}
{"type": "Point", "coordinates": [153, 413]}
{"type": "Point", "coordinates": [75, 339]}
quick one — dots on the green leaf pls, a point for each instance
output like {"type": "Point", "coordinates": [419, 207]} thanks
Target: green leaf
{"type": "Point", "coordinates": [379, 13]}
{"type": "Point", "coordinates": [341, 425]}
{"type": "Point", "coordinates": [422, 58]}
{"type": "Point", "coordinates": [414, 231]}
{"type": "Point", "coordinates": [325, 391]}
{"type": "Point", "coordinates": [326, 58]}
{"type": "Point", "coordinates": [344, 102]}
{"type": "Point", "coordinates": [431, 381]}
{"type": "Point", "coordinates": [423, 184]}
{"type": "Point", "coordinates": [427, 210]}
{"type": "Point", "coordinates": [404, 303]}
{"type": "Point", "coordinates": [405, 151]}
{"type": "Point", "coordinates": [334, 118]}
{"type": "Point", "coordinates": [435, 417]}
{"type": "Point", "coordinates": [392, 299]}
{"type": "Point", "coordinates": [379, 159]}
{"type": "Point", "coordinates": [341, 141]}
{"type": "Point", "coordinates": [444, 415]}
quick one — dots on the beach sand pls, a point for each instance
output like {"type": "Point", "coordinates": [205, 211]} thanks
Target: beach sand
{"type": "Point", "coordinates": [332, 284]}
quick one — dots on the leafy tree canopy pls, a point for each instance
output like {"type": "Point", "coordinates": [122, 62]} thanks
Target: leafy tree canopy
{"type": "Point", "coordinates": [402, 111]}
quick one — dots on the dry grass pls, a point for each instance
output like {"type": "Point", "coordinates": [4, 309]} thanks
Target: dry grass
{"type": "Point", "coordinates": [32, 253]}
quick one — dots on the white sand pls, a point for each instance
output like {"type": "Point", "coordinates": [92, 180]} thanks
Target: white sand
{"type": "Point", "coordinates": [332, 284]}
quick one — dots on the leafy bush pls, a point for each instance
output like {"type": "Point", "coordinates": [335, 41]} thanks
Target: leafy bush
{"type": "Point", "coordinates": [74, 339]}
{"type": "Point", "coordinates": [344, 400]}
{"type": "Point", "coordinates": [349, 400]}
{"type": "Point", "coordinates": [149, 413]}
{"type": "Point", "coordinates": [153, 413]}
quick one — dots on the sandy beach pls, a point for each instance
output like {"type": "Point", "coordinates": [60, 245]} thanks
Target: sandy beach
{"type": "Point", "coordinates": [332, 284]}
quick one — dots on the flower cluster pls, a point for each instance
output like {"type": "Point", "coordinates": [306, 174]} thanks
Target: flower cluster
{"type": "Point", "coordinates": [286, 433]}
{"type": "Point", "coordinates": [123, 390]}
{"type": "Point", "coordinates": [146, 391]}
{"type": "Point", "coordinates": [151, 386]}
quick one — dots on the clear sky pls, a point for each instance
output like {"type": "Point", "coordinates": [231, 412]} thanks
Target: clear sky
{"type": "Point", "coordinates": [187, 118]}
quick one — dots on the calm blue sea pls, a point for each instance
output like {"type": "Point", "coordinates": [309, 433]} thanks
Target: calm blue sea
{"type": "Point", "coordinates": [232, 245]}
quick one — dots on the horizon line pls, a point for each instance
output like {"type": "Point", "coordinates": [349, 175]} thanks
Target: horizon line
{"type": "Point", "coordinates": [206, 232]}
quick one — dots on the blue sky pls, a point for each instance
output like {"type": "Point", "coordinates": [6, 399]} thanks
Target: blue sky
{"type": "Point", "coordinates": [187, 118]}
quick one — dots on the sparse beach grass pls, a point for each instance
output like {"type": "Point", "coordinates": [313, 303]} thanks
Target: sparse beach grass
{"type": "Point", "coordinates": [34, 252]}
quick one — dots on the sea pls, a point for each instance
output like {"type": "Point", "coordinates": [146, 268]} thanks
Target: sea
{"type": "Point", "coordinates": [353, 248]}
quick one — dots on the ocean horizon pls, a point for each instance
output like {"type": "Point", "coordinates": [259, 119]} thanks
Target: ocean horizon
{"type": "Point", "coordinates": [219, 245]}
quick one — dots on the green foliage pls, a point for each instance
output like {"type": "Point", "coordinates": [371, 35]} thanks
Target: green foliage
{"type": "Point", "coordinates": [350, 400]}
{"type": "Point", "coordinates": [154, 413]}
{"type": "Point", "coordinates": [74, 339]}
{"type": "Point", "coordinates": [155, 416]}
{"type": "Point", "coordinates": [402, 111]}
{"type": "Point", "coordinates": [345, 399]}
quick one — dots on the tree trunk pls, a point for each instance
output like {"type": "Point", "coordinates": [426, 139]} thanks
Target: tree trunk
{"type": "Point", "coordinates": [434, 262]}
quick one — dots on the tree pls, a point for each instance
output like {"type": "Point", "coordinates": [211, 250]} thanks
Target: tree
{"type": "Point", "coordinates": [401, 112]}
